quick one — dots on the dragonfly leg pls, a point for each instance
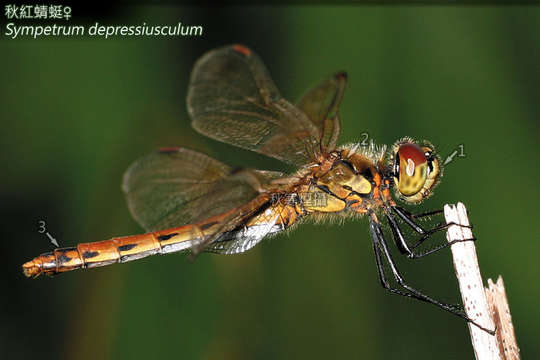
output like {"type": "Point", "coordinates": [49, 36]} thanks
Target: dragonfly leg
{"type": "Point", "coordinates": [381, 248]}
{"type": "Point", "coordinates": [408, 218]}
{"type": "Point", "coordinates": [399, 239]}
{"type": "Point", "coordinates": [417, 216]}
{"type": "Point", "coordinates": [440, 247]}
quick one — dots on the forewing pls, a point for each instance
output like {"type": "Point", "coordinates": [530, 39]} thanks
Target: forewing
{"type": "Point", "coordinates": [175, 187]}
{"type": "Point", "coordinates": [232, 98]}
{"type": "Point", "coordinates": [321, 105]}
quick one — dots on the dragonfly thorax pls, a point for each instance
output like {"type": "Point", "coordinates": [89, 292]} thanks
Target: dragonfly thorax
{"type": "Point", "coordinates": [350, 182]}
{"type": "Point", "coordinates": [359, 178]}
{"type": "Point", "coordinates": [344, 179]}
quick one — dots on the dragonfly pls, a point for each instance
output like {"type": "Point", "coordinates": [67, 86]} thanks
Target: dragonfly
{"type": "Point", "coordinates": [190, 202]}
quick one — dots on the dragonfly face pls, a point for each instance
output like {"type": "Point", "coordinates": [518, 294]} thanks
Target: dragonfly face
{"type": "Point", "coordinates": [232, 99]}
{"type": "Point", "coordinates": [415, 170]}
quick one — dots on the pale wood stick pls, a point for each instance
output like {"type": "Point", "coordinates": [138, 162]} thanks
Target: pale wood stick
{"type": "Point", "coordinates": [498, 303]}
{"type": "Point", "coordinates": [470, 284]}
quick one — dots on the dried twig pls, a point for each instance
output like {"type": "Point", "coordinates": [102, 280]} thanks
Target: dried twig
{"type": "Point", "coordinates": [486, 346]}
{"type": "Point", "coordinates": [498, 303]}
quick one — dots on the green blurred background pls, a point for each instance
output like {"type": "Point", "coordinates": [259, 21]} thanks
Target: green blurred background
{"type": "Point", "coordinates": [77, 111]}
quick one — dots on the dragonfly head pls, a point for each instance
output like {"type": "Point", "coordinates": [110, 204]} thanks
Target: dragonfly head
{"type": "Point", "coordinates": [415, 169]}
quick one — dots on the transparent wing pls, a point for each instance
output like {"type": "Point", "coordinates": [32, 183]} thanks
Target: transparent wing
{"type": "Point", "coordinates": [178, 186]}
{"type": "Point", "coordinates": [232, 98]}
{"type": "Point", "coordinates": [321, 105]}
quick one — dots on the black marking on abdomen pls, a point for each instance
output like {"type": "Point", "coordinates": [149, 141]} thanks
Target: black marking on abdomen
{"type": "Point", "coordinates": [166, 236]}
{"type": "Point", "coordinates": [90, 254]}
{"type": "Point", "coordinates": [126, 247]}
{"type": "Point", "coordinates": [63, 258]}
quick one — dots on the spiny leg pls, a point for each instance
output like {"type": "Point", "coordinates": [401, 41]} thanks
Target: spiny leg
{"type": "Point", "coordinates": [405, 249]}
{"type": "Point", "coordinates": [437, 248]}
{"type": "Point", "coordinates": [432, 231]}
{"type": "Point", "coordinates": [380, 267]}
{"type": "Point", "coordinates": [379, 244]}
{"type": "Point", "coordinates": [408, 218]}
{"type": "Point", "coordinates": [399, 239]}
{"type": "Point", "coordinates": [418, 216]}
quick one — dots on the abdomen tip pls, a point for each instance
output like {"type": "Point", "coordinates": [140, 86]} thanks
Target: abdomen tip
{"type": "Point", "coordinates": [30, 269]}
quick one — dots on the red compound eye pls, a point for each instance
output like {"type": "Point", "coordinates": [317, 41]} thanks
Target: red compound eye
{"type": "Point", "coordinates": [413, 152]}
{"type": "Point", "coordinates": [411, 169]}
